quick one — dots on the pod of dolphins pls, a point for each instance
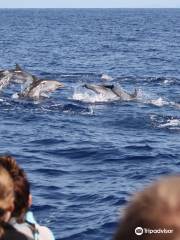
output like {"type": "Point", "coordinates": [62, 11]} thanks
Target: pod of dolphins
{"type": "Point", "coordinates": [34, 88]}
{"type": "Point", "coordinates": [31, 86]}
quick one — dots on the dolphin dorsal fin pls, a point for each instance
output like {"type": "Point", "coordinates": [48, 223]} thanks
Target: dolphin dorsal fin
{"type": "Point", "coordinates": [35, 78]}
{"type": "Point", "coordinates": [135, 92]}
{"type": "Point", "coordinates": [134, 95]}
{"type": "Point", "coordinates": [18, 68]}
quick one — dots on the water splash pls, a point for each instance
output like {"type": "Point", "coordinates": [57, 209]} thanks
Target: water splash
{"type": "Point", "coordinates": [106, 77]}
{"type": "Point", "coordinates": [167, 122]}
{"type": "Point", "coordinates": [171, 123]}
{"type": "Point", "coordinates": [159, 102]}
{"type": "Point", "coordinates": [93, 97]}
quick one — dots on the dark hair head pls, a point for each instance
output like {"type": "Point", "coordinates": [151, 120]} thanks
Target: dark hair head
{"type": "Point", "coordinates": [21, 186]}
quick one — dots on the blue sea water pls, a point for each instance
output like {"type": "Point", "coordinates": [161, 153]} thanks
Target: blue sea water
{"type": "Point", "coordinates": [83, 155]}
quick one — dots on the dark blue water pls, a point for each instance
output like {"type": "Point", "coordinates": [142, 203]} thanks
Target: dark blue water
{"type": "Point", "coordinates": [85, 157]}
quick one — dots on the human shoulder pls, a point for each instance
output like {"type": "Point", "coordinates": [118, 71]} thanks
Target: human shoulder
{"type": "Point", "coordinates": [45, 233]}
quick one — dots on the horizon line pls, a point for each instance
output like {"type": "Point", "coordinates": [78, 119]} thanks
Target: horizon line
{"type": "Point", "coordinates": [89, 7]}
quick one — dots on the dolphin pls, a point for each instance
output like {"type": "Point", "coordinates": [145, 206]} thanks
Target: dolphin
{"type": "Point", "coordinates": [5, 78]}
{"type": "Point", "coordinates": [100, 89]}
{"type": "Point", "coordinates": [16, 75]}
{"type": "Point", "coordinates": [116, 91]}
{"type": "Point", "coordinates": [33, 87]}
{"type": "Point", "coordinates": [40, 88]}
{"type": "Point", "coordinates": [22, 77]}
{"type": "Point", "coordinates": [122, 94]}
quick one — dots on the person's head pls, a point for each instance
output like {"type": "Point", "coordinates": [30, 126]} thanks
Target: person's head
{"type": "Point", "coordinates": [156, 208]}
{"type": "Point", "coordinates": [6, 197]}
{"type": "Point", "coordinates": [21, 187]}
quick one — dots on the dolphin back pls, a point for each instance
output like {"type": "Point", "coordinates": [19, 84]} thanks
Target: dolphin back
{"type": "Point", "coordinates": [95, 88]}
{"type": "Point", "coordinates": [123, 95]}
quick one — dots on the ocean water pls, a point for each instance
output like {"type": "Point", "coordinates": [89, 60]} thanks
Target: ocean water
{"type": "Point", "coordinates": [85, 156]}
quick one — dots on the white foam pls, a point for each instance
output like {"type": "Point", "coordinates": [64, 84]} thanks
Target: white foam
{"type": "Point", "coordinates": [177, 105]}
{"type": "Point", "coordinates": [168, 81]}
{"type": "Point", "coordinates": [171, 123]}
{"type": "Point", "coordinates": [93, 98]}
{"type": "Point", "coordinates": [158, 102]}
{"type": "Point", "coordinates": [15, 96]}
{"type": "Point", "coordinates": [106, 77]}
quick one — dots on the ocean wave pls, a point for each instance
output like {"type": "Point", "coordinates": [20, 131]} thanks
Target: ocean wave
{"type": "Point", "coordinates": [83, 155]}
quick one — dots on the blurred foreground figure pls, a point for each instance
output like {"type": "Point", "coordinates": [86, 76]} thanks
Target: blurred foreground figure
{"type": "Point", "coordinates": [7, 232]}
{"type": "Point", "coordinates": [153, 214]}
{"type": "Point", "coordinates": [22, 219]}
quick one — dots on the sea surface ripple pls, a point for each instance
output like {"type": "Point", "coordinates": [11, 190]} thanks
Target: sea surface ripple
{"type": "Point", "coordinates": [85, 156]}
